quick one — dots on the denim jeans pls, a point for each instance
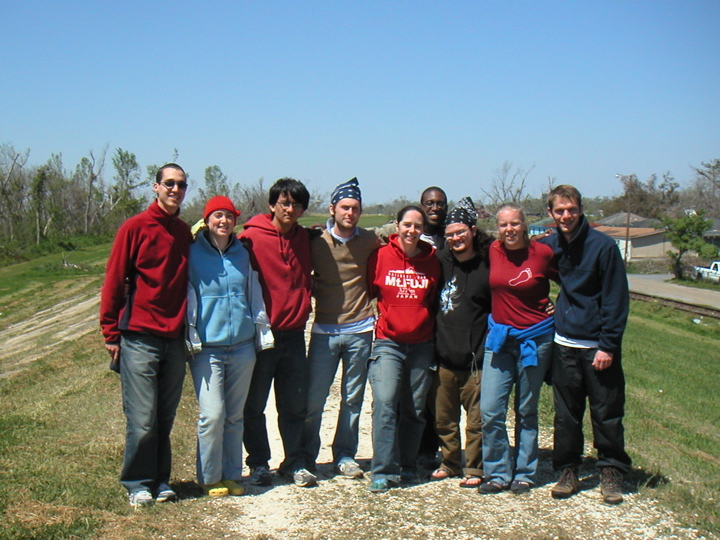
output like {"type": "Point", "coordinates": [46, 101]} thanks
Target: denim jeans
{"type": "Point", "coordinates": [574, 380]}
{"type": "Point", "coordinates": [501, 371]}
{"type": "Point", "coordinates": [286, 364]}
{"type": "Point", "coordinates": [399, 375]}
{"type": "Point", "coordinates": [152, 370]}
{"type": "Point", "coordinates": [325, 354]}
{"type": "Point", "coordinates": [221, 376]}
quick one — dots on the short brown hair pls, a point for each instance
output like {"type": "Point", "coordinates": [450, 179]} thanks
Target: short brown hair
{"type": "Point", "coordinates": [564, 191]}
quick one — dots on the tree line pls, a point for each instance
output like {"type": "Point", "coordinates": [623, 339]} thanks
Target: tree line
{"type": "Point", "coordinates": [45, 206]}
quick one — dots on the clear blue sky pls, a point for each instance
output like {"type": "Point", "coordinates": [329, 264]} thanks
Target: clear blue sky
{"type": "Point", "coordinates": [401, 94]}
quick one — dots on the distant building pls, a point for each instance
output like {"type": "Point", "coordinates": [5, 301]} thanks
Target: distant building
{"type": "Point", "coordinates": [621, 220]}
{"type": "Point", "coordinates": [712, 236]}
{"type": "Point", "coordinates": [539, 227]}
{"type": "Point", "coordinates": [643, 242]}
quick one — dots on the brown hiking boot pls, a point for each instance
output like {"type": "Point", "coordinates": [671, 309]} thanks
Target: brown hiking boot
{"type": "Point", "coordinates": [611, 485]}
{"type": "Point", "coordinates": [567, 485]}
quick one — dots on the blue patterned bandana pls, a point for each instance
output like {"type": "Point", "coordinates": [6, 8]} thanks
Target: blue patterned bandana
{"type": "Point", "coordinates": [348, 190]}
{"type": "Point", "coordinates": [463, 212]}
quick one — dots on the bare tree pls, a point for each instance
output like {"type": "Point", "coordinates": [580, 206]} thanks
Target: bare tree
{"type": "Point", "coordinates": [13, 187]}
{"type": "Point", "coordinates": [89, 174]}
{"type": "Point", "coordinates": [507, 185]}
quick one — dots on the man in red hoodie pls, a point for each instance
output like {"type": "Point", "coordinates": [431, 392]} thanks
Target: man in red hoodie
{"type": "Point", "coordinates": [280, 253]}
{"type": "Point", "coordinates": [142, 313]}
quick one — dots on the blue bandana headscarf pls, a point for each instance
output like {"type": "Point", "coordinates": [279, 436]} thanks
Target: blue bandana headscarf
{"type": "Point", "coordinates": [348, 190]}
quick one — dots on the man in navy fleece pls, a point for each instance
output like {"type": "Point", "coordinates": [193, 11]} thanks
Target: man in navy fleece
{"type": "Point", "coordinates": [590, 319]}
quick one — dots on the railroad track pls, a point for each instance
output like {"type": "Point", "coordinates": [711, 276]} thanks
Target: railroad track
{"type": "Point", "coordinates": [682, 306]}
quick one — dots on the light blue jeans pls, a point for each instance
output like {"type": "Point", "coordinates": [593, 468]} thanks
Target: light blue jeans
{"type": "Point", "coordinates": [500, 372]}
{"type": "Point", "coordinates": [399, 376]}
{"type": "Point", "coordinates": [324, 355]}
{"type": "Point", "coordinates": [221, 376]}
{"type": "Point", "coordinates": [152, 370]}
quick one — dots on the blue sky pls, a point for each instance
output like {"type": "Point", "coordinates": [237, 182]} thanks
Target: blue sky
{"type": "Point", "coordinates": [400, 94]}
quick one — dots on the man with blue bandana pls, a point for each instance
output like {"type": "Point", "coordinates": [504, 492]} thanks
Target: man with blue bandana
{"type": "Point", "coordinates": [343, 327]}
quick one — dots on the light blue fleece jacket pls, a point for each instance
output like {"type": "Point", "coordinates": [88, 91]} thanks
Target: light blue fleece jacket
{"type": "Point", "coordinates": [220, 282]}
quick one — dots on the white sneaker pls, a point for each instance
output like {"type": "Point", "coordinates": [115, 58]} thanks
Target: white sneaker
{"type": "Point", "coordinates": [304, 478]}
{"type": "Point", "coordinates": [140, 498]}
{"type": "Point", "coordinates": [349, 468]}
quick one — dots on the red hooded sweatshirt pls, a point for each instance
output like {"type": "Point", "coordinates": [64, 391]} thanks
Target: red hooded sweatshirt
{"type": "Point", "coordinates": [145, 288]}
{"type": "Point", "coordinates": [406, 289]}
{"type": "Point", "coordinates": [284, 265]}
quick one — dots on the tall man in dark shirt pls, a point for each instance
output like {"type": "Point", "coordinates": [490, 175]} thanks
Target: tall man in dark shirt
{"type": "Point", "coordinates": [590, 319]}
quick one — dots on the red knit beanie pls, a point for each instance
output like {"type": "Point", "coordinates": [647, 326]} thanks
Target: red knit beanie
{"type": "Point", "coordinates": [219, 202]}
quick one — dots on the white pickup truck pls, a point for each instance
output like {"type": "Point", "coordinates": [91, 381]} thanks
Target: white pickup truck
{"type": "Point", "coordinates": [712, 273]}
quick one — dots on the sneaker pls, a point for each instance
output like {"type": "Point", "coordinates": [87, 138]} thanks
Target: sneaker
{"type": "Point", "coordinates": [260, 476]}
{"type": "Point", "coordinates": [349, 468]}
{"type": "Point", "coordinates": [140, 498]}
{"type": "Point", "coordinates": [234, 488]}
{"type": "Point", "coordinates": [611, 485]}
{"type": "Point", "coordinates": [216, 490]}
{"type": "Point", "coordinates": [304, 478]}
{"type": "Point", "coordinates": [490, 488]}
{"type": "Point", "coordinates": [166, 494]}
{"type": "Point", "coordinates": [568, 484]}
{"type": "Point", "coordinates": [381, 485]}
{"type": "Point", "coordinates": [518, 487]}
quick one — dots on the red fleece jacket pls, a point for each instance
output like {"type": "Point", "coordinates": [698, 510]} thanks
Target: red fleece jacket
{"type": "Point", "coordinates": [284, 265]}
{"type": "Point", "coordinates": [406, 289]}
{"type": "Point", "coordinates": [145, 287]}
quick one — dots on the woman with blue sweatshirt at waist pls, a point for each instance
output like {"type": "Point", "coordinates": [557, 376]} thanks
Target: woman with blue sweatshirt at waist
{"type": "Point", "coordinates": [518, 351]}
{"type": "Point", "coordinates": [220, 311]}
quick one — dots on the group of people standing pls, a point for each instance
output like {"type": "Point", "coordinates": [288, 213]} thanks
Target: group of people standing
{"type": "Point", "coordinates": [462, 319]}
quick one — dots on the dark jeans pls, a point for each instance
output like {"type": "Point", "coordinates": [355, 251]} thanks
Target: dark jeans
{"type": "Point", "coordinates": [286, 363]}
{"type": "Point", "coordinates": [400, 379]}
{"type": "Point", "coordinates": [574, 379]}
{"type": "Point", "coordinates": [152, 370]}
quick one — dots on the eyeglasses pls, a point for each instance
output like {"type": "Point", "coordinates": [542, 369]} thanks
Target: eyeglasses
{"type": "Point", "coordinates": [169, 184]}
{"type": "Point", "coordinates": [440, 205]}
{"type": "Point", "coordinates": [287, 204]}
{"type": "Point", "coordinates": [459, 234]}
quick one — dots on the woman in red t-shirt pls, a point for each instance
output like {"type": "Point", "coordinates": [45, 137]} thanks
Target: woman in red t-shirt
{"type": "Point", "coordinates": [518, 351]}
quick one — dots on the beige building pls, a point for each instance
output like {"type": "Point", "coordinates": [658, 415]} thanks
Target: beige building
{"type": "Point", "coordinates": [642, 243]}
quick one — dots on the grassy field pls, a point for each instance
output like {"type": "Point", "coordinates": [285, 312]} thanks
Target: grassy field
{"type": "Point", "coordinates": [61, 423]}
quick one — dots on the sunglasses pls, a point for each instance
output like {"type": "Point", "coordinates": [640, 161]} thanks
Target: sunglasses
{"type": "Point", "coordinates": [169, 184]}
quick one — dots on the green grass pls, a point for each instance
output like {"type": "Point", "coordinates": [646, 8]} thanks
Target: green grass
{"type": "Point", "coordinates": [673, 411]}
{"type": "Point", "coordinates": [697, 283]}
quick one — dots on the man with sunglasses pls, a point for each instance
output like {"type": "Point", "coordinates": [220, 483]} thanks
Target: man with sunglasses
{"type": "Point", "coordinates": [142, 314]}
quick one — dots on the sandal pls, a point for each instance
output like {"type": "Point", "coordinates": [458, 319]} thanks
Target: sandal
{"type": "Point", "coordinates": [470, 481]}
{"type": "Point", "coordinates": [441, 474]}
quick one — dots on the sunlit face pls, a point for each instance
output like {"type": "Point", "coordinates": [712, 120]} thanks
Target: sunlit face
{"type": "Point", "coordinates": [346, 214]}
{"type": "Point", "coordinates": [460, 237]}
{"type": "Point", "coordinates": [566, 214]}
{"type": "Point", "coordinates": [286, 211]}
{"type": "Point", "coordinates": [409, 229]}
{"type": "Point", "coordinates": [512, 230]}
{"type": "Point", "coordinates": [171, 189]}
{"type": "Point", "coordinates": [435, 205]}
{"type": "Point", "coordinates": [221, 223]}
